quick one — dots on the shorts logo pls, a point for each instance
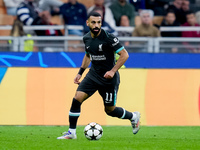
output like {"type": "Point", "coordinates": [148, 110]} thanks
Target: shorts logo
{"type": "Point", "coordinates": [100, 47]}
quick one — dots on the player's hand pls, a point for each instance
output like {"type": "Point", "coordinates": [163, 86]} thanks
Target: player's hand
{"type": "Point", "coordinates": [109, 74]}
{"type": "Point", "coordinates": [77, 78]}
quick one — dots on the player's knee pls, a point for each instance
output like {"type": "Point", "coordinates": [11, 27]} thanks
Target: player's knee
{"type": "Point", "coordinates": [109, 109]}
{"type": "Point", "coordinates": [80, 96]}
{"type": "Point", "coordinates": [78, 99]}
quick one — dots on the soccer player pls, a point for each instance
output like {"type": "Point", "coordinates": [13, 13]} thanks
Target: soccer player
{"type": "Point", "coordinates": [103, 76]}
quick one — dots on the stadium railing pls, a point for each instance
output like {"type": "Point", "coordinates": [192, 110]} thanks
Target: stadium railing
{"type": "Point", "coordinates": [74, 43]}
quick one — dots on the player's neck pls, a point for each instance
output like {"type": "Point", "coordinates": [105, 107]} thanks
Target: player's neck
{"type": "Point", "coordinates": [94, 36]}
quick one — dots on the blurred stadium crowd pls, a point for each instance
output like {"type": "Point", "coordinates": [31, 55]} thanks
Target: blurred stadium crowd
{"type": "Point", "coordinates": [145, 16]}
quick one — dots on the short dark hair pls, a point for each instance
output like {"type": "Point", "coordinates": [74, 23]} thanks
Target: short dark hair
{"type": "Point", "coordinates": [93, 13]}
{"type": "Point", "coordinates": [189, 12]}
{"type": "Point", "coordinates": [169, 11]}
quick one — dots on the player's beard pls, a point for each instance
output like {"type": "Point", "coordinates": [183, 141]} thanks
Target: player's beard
{"type": "Point", "coordinates": [95, 32]}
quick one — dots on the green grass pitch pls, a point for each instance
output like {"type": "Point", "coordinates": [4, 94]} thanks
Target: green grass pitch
{"type": "Point", "coordinates": [114, 138]}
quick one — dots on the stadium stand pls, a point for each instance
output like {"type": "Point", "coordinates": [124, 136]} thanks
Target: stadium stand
{"type": "Point", "coordinates": [2, 7]}
{"type": "Point", "coordinates": [75, 44]}
{"type": "Point", "coordinates": [4, 21]}
{"type": "Point", "coordinates": [87, 3]}
{"type": "Point", "coordinates": [57, 20]}
{"type": "Point", "coordinates": [156, 20]}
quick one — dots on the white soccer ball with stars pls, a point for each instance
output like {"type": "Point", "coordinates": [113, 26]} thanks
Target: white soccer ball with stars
{"type": "Point", "coordinates": [93, 131]}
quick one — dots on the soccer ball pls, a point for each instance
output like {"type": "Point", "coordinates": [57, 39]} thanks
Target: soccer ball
{"type": "Point", "coordinates": [93, 131]}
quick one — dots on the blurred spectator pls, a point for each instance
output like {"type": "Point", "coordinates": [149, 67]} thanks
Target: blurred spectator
{"type": "Point", "coordinates": [46, 20]}
{"type": "Point", "coordinates": [146, 29]}
{"type": "Point", "coordinates": [109, 2]}
{"type": "Point", "coordinates": [149, 4]}
{"type": "Point", "coordinates": [17, 31]}
{"type": "Point", "coordinates": [185, 5]}
{"type": "Point", "coordinates": [124, 22]}
{"type": "Point", "coordinates": [74, 13]}
{"type": "Point", "coordinates": [176, 7]}
{"type": "Point", "coordinates": [138, 4]}
{"type": "Point", "coordinates": [48, 5]}
{"type": "Point", "coordinates": [11, 6]}
{"type": "Point", "coordinates": [104, 25]}
{"type": "Point", "coordinates": [197, 15]}
{"type": "Point", "coordinates": [107, 13]}
{"type": "Point", "coordinates": [46, 45]}
{"type": "Point", "coordinates": [159, 7]}
{"type": "Point", "coordinates": [191, 21]}
{"type": "Point", "coordinates": [170, 21]}
{"type": "Point", "coordinates": [120, 8]}
{"type": "Point", "coordinates": [184, 9]}
{"type": "Point", "coordinates": [27, 13]}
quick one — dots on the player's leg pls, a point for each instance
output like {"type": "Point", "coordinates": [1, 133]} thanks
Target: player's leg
{"type": "Point", "coordinates": [85, 90]}
{"type": "Point", "coordinates": [75, 110]}
{"type": "Point", "coordinates": [109, 96]}
{"type": "Point", "coordinates": [120, 112]}
{"type": "Point", "coordinates": [74, 114]}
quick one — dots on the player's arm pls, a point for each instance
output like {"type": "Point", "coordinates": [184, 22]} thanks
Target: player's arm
{"type": "Point", "coordinates": [122, 59]}
{"type": "Point", "coordinates": [85, 64]}
{"type": "Point", "coordinates": [86, 61]}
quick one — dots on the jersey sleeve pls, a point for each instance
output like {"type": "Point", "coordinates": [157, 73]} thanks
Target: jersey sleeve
{"type": "Point", "coordinates": [85, 45]}
{"type": "Point", "coordinates": [114, 43]}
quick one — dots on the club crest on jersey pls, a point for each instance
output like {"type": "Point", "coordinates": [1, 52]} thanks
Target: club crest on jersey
{"type": "Point", "coordinates": [100, 47]}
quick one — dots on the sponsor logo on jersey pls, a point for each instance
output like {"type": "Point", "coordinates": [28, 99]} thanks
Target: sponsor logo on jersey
{"type": "Point", "coordinates": [87, 47]}
{"type": "Point", "coordinates": [97, 57]}
{"type": "Point", "coordinates": [116, 41]}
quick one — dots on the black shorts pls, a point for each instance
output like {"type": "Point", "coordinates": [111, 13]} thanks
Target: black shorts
{"type": "Point", "coordinates": [107, 92]}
